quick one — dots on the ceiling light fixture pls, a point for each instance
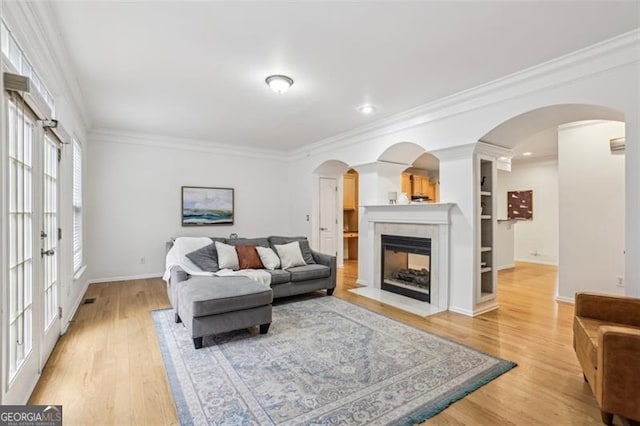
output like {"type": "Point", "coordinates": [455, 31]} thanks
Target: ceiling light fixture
{"type": "Point", "coordinates": [526, 154]}
{"type": "Point", "coordinates": [367, 109]}
{"type": "Point", "coordinates": [279, 83]}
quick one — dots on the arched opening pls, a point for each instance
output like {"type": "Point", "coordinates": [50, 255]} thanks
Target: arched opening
{"type": "Point", "coordinates": [421, 181]}
{"type": "Point", "coordinates": [562, 162]}
{"type": "Point", "coordinates": [401, 153]}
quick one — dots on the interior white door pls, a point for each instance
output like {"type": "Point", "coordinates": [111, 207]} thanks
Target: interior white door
{"type": "Point", "coordinates": [328, 215]}
{"type": "Point", "coordinates": [21, 347]}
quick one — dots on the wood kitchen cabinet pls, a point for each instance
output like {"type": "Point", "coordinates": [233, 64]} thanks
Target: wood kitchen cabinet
{"type": "Point", "coordinates": [349, 192]}
{"type": "Point", "coordinates": [406, 184]}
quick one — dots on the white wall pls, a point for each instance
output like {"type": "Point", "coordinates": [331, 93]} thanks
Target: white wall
{"type": "Point", "coordinates": [539, 235]}
{"type": "Point", "coordinates": [592, 209]}
{"type": "Point", "coordinates": [134, 202]}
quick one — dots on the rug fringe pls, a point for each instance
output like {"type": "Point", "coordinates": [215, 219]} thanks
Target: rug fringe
{"type": "Point", "coordinates": [502, 368]}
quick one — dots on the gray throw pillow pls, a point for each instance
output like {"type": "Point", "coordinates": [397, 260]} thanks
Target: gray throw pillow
{"type": "Point", "coordinates": [304, 246]}
{"type": "Point", "coordinates": [205, 258]}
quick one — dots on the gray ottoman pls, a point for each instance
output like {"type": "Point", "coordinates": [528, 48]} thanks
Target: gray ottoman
{"type": "Point", "coordinates": [212, 305]}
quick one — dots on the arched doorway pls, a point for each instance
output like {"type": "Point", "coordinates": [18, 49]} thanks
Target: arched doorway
{"type": "Point", "coordinates": [327, 221]}
{"type": "Point", "coordinates": [568, 226]}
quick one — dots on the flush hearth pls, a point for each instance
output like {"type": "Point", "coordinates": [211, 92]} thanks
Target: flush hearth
{"type": "Point", "coordinates": [406, 266]}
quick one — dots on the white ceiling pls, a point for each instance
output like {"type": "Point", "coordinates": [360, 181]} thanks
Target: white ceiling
{"type": "Point", "coordinates": [542, 146]}
{"type": "Point", "coordinates": [196, 69]}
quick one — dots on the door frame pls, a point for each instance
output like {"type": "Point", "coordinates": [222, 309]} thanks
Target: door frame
{"type": "Point", "coordinates": [315, 217]}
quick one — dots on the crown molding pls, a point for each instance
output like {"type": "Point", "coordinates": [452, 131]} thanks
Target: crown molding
{"type": "Point", "coordinates": [34, 26]}
{"type": "Point", "coordinates": [453, 153]}
{"type": "Point", "coordinates": [195, 145]}
{"type": "Point", "coordinates": [579, 64]}
{"type": "Point", "coordinates": [490, 149]}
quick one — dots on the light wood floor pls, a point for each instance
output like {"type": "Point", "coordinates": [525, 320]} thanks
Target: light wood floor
{"type": "Point", "coordinates": [107, 369]}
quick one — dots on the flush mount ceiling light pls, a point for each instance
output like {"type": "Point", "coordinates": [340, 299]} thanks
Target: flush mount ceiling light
{"type": "Point", "coordinates": [526, 154]}
{"type": "Point", "coordinates": [279, 83]}
{"type": "Point", "coordinates": [366, 109]}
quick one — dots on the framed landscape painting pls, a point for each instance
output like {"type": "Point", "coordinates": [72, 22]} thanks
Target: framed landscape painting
{"type": "Point", "coordinates": [203, 206]}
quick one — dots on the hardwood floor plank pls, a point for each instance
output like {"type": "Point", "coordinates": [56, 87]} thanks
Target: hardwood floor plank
{"type": "Point", "coordinates": [108, 365]}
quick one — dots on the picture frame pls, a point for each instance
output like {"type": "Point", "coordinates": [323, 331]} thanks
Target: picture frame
{"type": "Point", "coordinates": [520, 205]}
{"type": "Point", "coordinates": [207, 206]}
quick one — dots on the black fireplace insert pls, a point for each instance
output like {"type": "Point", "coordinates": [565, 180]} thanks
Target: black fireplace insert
{"type": "Point", "coordinates": [406, 266]}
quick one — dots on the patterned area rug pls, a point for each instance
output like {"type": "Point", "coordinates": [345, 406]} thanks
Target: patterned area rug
{"type": "Point", "coordinates": [325, 361]}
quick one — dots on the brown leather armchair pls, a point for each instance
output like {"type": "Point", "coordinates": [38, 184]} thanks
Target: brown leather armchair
{"type": "Point", "coordinates": [606, 338]}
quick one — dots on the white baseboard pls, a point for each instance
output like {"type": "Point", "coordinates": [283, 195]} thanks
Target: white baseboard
{"type": "Point", "coordinates": [362, 282]}
{"type": "Point", "coordinates": [539, 262]}
{"type": "Point", "coordinates": [125, 278]}
{"type": "Point", "coordinates": [74, 309]}
{"type": "Point", "coordinates": [486, 309]}
{"type": "Point", "coordinates": [509, 266]}
{"type": "Point", "coordinates": [461, 311]}
{"type": "Point", "coordinates": [565, 299]}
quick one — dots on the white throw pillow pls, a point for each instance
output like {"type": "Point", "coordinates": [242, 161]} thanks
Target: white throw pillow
{"type": "Point", "coordinates": [227, 256]}
{"type": "Point", "coordinates": [290, 255]}
{"type": "Point", "coordinates": [269, 258]}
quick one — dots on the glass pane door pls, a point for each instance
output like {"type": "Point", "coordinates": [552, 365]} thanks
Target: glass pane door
{"type": "Point", "coordinates": [21, 256]}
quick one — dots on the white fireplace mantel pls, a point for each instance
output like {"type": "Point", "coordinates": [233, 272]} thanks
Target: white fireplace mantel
{"type": "Point", "coordinates": [429, 220]}
{"type": "Point", "coordinates": [428, 213]}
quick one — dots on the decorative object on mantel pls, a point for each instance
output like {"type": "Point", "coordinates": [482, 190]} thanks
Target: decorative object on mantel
{"type": "Point", "coordinates": [324, 361]}
{"type": "Point", "coordinates": [207, 206]}
{"type": "Point", "coordinates": [520, 205]}
{"type": "Point", "coordinates": [402, 198]}
{"type": "Point", "coordinates": [393, 197]}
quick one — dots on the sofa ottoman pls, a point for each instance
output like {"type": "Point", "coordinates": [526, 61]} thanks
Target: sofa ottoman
{"type": "Point", "coordinates": [212, 305]}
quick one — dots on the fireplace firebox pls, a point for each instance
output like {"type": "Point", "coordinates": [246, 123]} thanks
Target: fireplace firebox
{"type": "Point", "coordinates": [406, 266]}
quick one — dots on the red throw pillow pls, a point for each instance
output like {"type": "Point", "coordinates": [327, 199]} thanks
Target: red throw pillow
{"type": "Point", "coordinates": [248, 257]}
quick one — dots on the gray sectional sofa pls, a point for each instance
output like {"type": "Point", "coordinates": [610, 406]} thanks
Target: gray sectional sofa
{"type": "Point", "coordinates": [211, 305]}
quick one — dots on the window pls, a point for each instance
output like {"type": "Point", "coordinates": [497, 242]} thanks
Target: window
{"type": "Point", "coordinates": [18, 59]}
{"type": "Point", "coordinates": [77, 206]}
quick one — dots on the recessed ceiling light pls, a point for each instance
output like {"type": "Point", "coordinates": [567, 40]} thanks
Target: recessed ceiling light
{"type": "Point", "coordinates": [367, 109]}
{"type": "Point", "coordinates": [526, 154]}
{"type": "Point", "coordinates": [279, 83]}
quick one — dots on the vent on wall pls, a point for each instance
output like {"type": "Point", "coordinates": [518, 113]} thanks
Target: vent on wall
{"type": "Point", "coordinates": [617, 145]}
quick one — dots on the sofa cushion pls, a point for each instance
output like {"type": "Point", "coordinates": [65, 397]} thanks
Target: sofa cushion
{"type": "Point", "coordinates": [279, 276]}
{"type": "Point", "coordinates": [268, 257]}
{"type": "Point", "coordinates": [585, 332]}
{"type": "Point", "coordinates": [262, 242]}
{"type": "Point", "coordinates": [205, 258]}
{"type": "Point", "coordinates": [309, 272]}
{"type": "Point", "coordinates": [202, 296]}
{"type": "Point", "coordinates": [290, 255]}
{"type": "Point", "coordinates": [304, 246]}
{"type": "Point", "coordinates": [248, 257]}
{"type": "Point", "coordinates": [227, 256]}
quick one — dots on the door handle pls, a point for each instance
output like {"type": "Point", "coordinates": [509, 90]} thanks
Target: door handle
{"type": "Point", "coordinates": [49, 252]}
{"type": "Point", "coordinates": [324, 229]}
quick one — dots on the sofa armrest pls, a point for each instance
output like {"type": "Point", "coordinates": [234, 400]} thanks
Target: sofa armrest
{"type": "Point", "coordinates": [618, 374]}
{"type": "Point", "coordinates": [326, 260]}
{"type": "Point", "coordinates": [618, 309]}
{"type": "Point", "coordinates": [178, 275]}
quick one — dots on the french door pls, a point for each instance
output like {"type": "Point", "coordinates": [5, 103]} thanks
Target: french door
{"type": "Point", "coordinates": [31, 324]}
